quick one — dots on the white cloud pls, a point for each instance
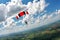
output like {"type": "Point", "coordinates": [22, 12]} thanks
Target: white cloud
{"type": "Point", "coordinates": [58, 11]}
{"type": "Point", "coordinates": [36, 6]}
{"type": "Point", "coordinates": [14, 7]}
{"type": "Point", "coordinates": [2, 12]}
{"type": "Point", "coordinates": [43, 5]}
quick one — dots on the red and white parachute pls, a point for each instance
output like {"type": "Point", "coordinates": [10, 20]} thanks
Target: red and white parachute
{"type": "Point", "coordinates": [22, 13]}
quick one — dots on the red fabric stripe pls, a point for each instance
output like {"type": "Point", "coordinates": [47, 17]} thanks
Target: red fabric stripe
{"type": "Point", "coordinates": [21, 13]}
{"type": "Point", "coordinates": [16, 17]}
{"type": "Point", "coordinates": [27, 12]}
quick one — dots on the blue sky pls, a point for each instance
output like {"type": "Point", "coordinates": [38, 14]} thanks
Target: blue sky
{"type": "Point", "coordinates": [4, 1]}
{"type": "Point", "coordinates": [53, 4]}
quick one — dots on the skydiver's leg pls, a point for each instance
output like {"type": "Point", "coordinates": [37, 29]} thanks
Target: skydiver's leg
{"type": "Point", "coordinates": [26, 22]}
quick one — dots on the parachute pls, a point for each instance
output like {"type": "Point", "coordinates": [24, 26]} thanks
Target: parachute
{"type": "Point", "coordinates": [22, 13]}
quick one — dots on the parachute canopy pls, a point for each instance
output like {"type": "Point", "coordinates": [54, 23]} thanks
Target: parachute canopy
{"type": "Point", "coordinates": [22, 13]}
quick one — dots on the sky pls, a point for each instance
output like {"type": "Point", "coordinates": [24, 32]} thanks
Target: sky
{"type": "Point", "coordinates": [4, 1]}
{"type": "Point", "coordinates": [41, 12]}
{"type": "Point", "coordinates": [54, 4]}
